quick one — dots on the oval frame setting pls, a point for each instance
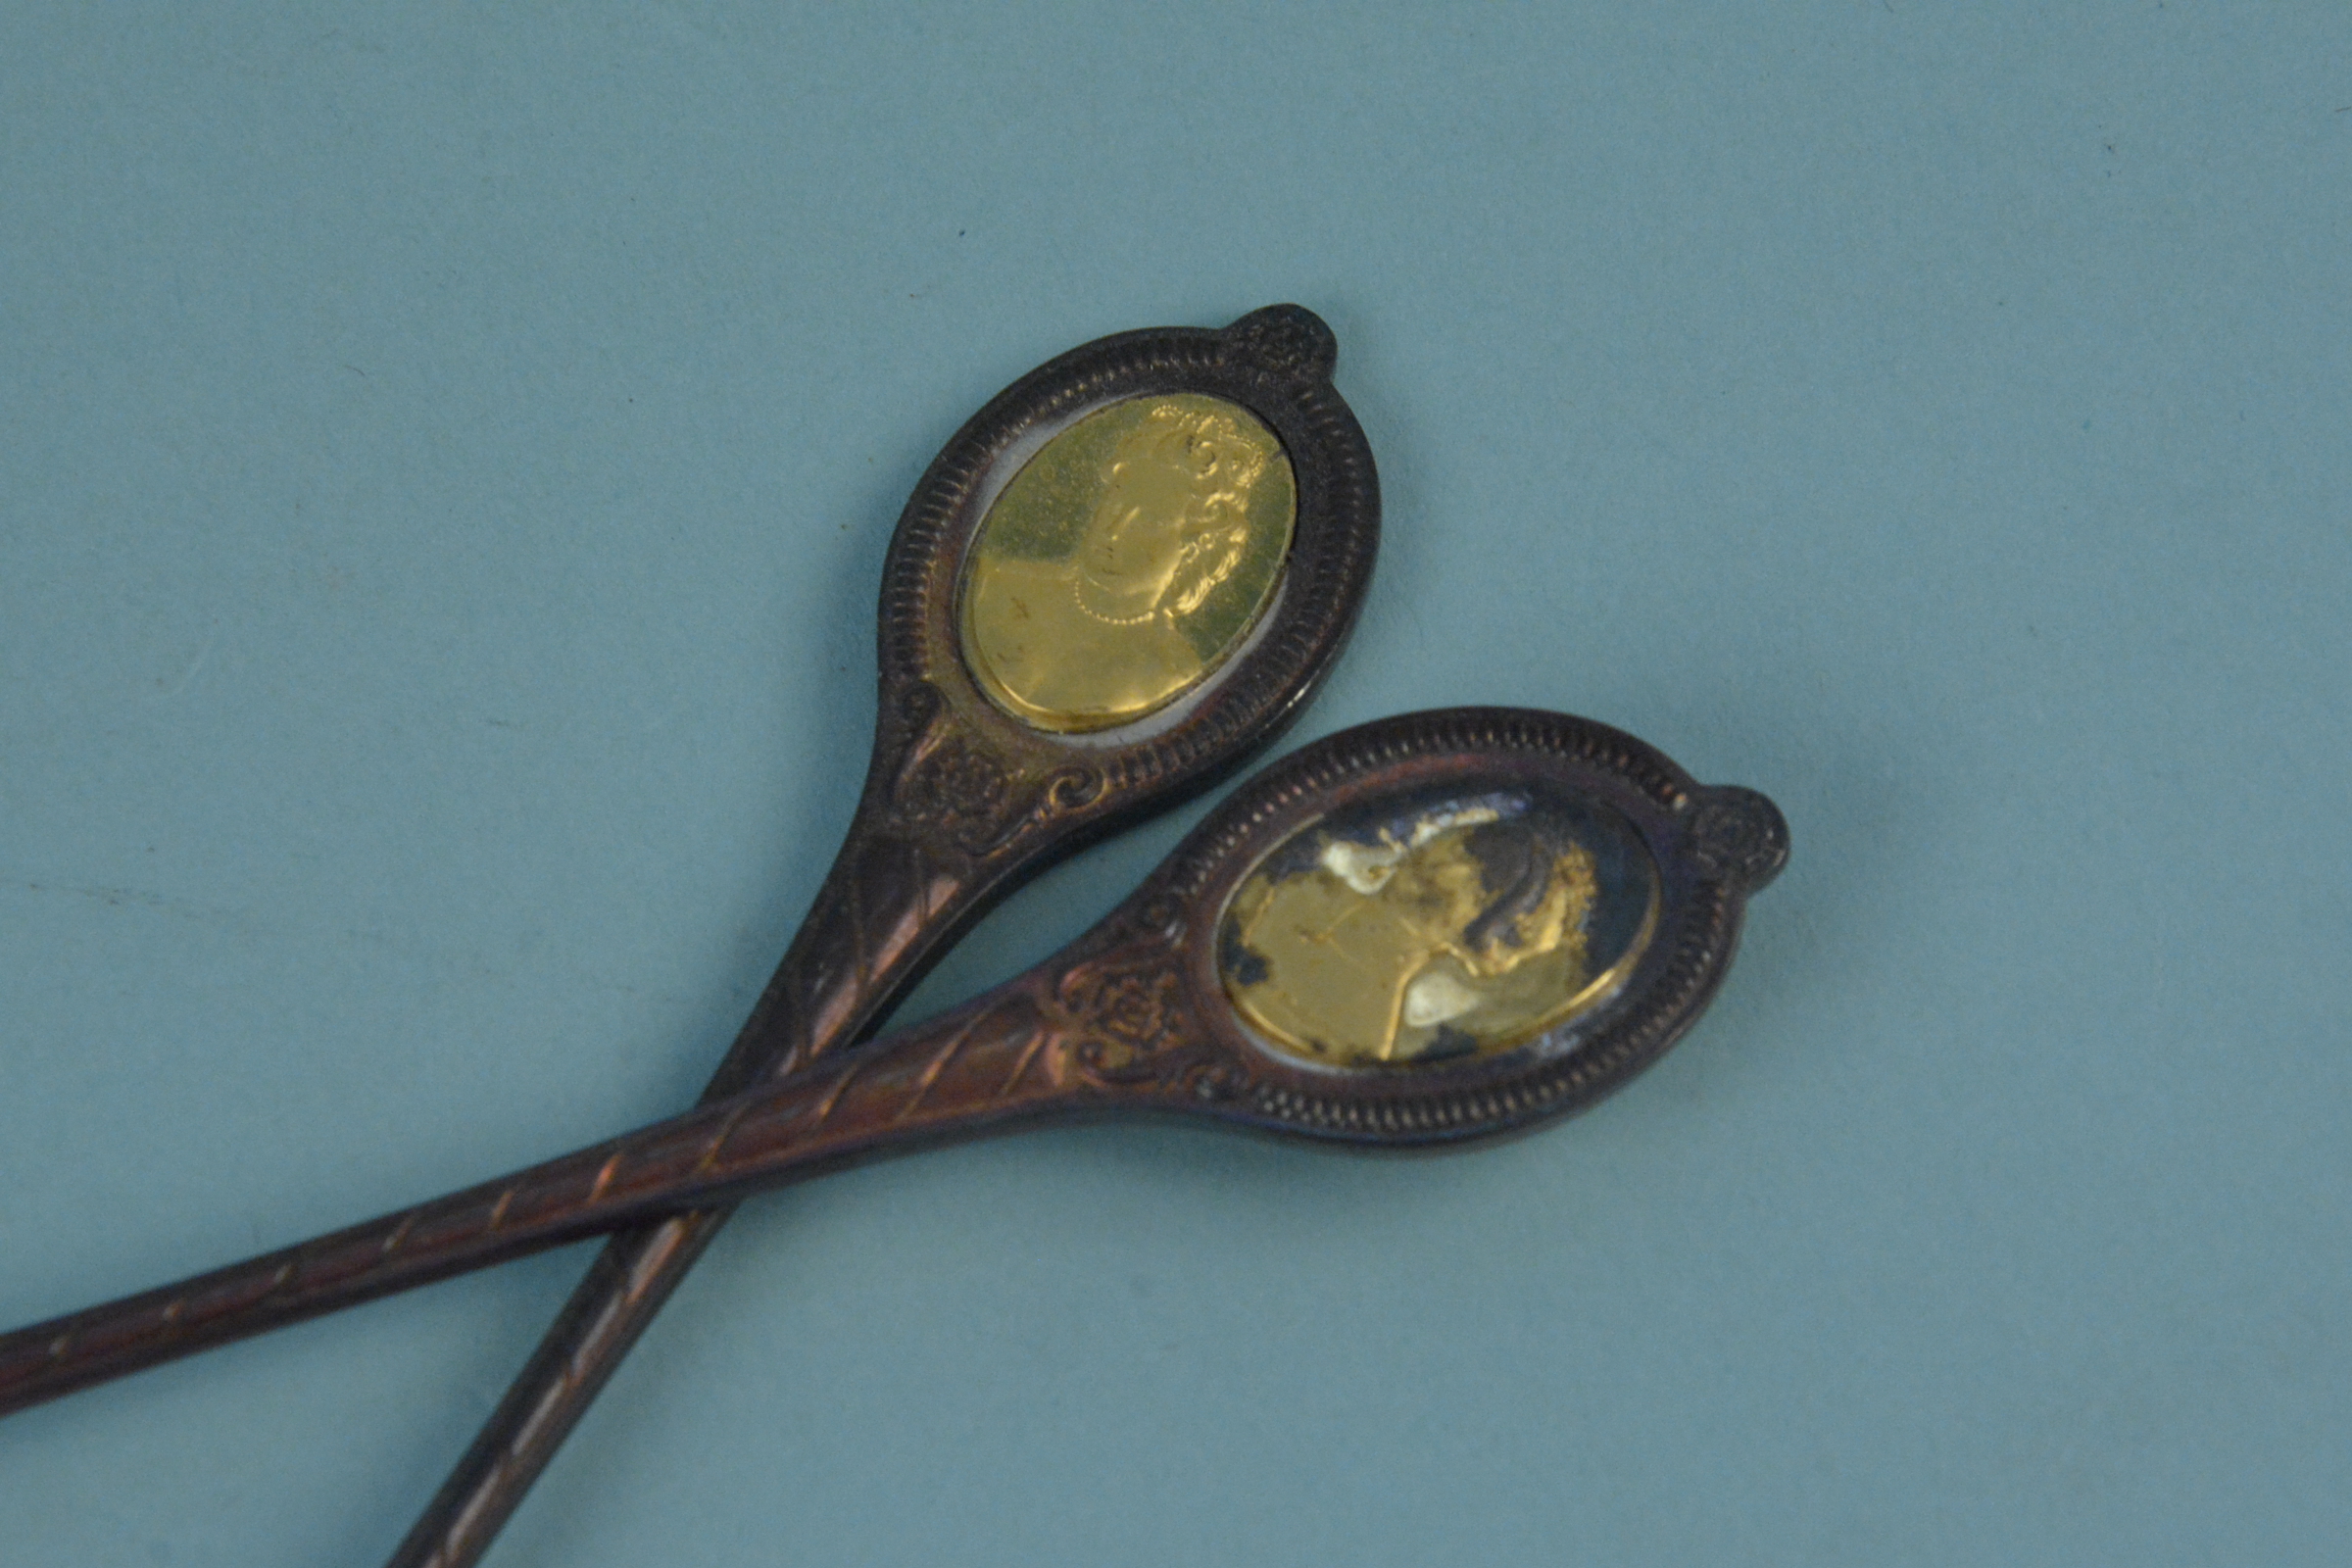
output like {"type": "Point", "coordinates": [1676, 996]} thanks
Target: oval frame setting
{"type": "Point", "coordinates": [1712, 848]}
{"type": "Point", "coordinates": [945, 751]}
{"type": "Point", "coordinates": [1129, 557]}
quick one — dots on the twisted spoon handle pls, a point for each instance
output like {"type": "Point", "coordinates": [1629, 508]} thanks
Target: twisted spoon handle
{"type": "Point", "coordinates": [981, 1065]}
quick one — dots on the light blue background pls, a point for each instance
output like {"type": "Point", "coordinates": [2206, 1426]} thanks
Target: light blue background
{"type": "Point", "coordinates": [446, 465]}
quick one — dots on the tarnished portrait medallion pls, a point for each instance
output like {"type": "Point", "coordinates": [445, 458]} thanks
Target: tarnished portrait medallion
{"type": "Point", "coordinates": [1126, 561]}
{"type": "Point", "coordinates": [1419, 930]}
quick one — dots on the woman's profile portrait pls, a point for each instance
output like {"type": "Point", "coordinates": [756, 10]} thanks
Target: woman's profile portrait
{"type": "Point", "coordinates": [1126, 561]}
{"type": "Point", "coordinates": [1452, 931]}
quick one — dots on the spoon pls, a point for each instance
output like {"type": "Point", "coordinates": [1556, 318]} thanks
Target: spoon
{"type": "Point", "coordinates": [1418, 931]}
{"type": "Point", "coordinates": [1124, 575]}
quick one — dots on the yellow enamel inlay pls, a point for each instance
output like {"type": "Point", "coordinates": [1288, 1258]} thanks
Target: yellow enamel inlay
{"type": "Point", "coordinates": [1126, 561]}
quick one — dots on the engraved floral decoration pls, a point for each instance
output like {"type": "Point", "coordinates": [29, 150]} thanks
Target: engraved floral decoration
{"type": "Point", "coordinates": [1127, 1024]}
{"type": "Point", "coordinates": [1127, 1017]}
{"type": "Point", "coordinates": [1123, 1014]}
{"type": "Point", "coordinates": [969, 795]}
{"type": "Point", "coordinates": [956, 784]}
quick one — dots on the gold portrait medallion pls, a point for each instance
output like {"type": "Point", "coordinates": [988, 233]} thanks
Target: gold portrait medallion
{"type": "Point", "coordinates": [1455, 928]}
{"type": "Point", "coordinates": [1126, 561]}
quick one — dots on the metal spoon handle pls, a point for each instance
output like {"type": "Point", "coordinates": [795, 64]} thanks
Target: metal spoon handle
{"type": "Point", "coordinates": [985, 1062]}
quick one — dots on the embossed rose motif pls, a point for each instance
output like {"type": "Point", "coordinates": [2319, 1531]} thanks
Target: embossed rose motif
{"type": "Point", "coordinates": [956, 784]}
{"type": "Point", "coordinates": [1126, 1018]}
{"type": "Point", "coordinates": [1134, 1008]}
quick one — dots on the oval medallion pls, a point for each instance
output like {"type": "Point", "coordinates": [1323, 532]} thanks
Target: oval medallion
{"type": "Point", "coordinates": [1415, 929]}
{"type": "Point", "coordinates": [1126, 561]}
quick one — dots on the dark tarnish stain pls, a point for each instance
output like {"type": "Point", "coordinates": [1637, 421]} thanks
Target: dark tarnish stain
{"type": "Point", "coordinates": [1515, 860]}
{"type": "Point", "coordinates": [1447, 1041]}
{"type": "Point", "coordinates": [1243, 965]}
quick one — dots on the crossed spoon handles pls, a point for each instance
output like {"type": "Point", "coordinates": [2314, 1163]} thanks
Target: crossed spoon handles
{"type": "Point", "coordinates": [1220, 472]}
